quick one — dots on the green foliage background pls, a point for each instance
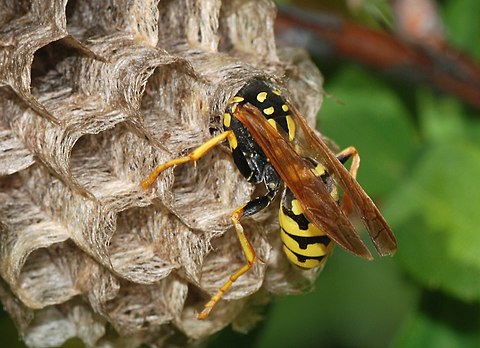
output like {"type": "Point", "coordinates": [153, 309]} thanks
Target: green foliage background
{"type": "Point", "coordinates": [421, 162]}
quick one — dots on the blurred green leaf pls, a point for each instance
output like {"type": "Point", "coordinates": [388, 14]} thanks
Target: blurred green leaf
{"type": "Point", "coordinates": [353, 299]}
{"type": "Point", "coordinates": [8, 332]}
{"type": "Point", "coordinates": [435, 217]}
{"type": "Point", "coordinates": [441, 322]}
{"type": "Point", "coordinates": [373, 119]}
{"type": "Point", "coordinates": [441, 118]}
{"type": "Point", "coordinates": [378, 10]}
{"type": "Point", "coordinates": [463, 25]}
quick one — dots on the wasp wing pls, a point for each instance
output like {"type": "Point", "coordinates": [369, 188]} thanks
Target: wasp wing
{"type": "Point", "coordinates": [310, 145]}
{"type": "Point", "coordinates": [318, 205]}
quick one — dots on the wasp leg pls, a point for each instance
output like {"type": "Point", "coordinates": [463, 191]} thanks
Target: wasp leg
{"type": "Point", "coordinates": [344, 156]}
{"type": "Point", "coordinates": [250, 208]}
{"type": "Point", "coordinates": [193, 156]}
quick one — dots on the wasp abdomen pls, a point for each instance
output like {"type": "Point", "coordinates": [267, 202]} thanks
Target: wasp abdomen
{"type": "Point", "coordinates": [304, 244]}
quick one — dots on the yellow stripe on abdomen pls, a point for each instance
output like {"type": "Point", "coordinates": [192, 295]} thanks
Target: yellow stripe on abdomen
{"type": "Point", "coordinates": [303, 263]}
{"type": "Point", "coordinates": [305, 245]}
{"type": "Point", "coordinates": [292, 227]}
{"type": "Point", "coordinates": [310, 249]}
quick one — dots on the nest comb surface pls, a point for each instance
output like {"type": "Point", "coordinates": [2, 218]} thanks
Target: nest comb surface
{"type": "Point", "coordinates": [93, 95]}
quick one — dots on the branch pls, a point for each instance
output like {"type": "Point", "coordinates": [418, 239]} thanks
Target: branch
{"type": "Point", "coordinates": [441, 67]}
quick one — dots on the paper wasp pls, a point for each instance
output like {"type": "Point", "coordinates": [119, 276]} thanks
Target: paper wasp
{"type": "Point", "coordinates": [271, 144]}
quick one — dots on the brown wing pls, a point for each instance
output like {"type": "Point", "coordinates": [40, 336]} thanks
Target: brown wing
{"type": "Point", "coordinates": [309, 189]}
{"type": "Point", "coordinates": [312, 146]}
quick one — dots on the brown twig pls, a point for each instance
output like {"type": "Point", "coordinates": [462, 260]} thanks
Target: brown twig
{"type": "Point", "coordinates": [442, 67]}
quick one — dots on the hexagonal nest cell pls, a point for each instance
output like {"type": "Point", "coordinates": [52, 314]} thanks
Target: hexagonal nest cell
{"type": "Point", "coordinates": [94, 95]}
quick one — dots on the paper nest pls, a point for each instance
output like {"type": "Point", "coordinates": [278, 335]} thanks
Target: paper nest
{"type": "Point", "coordinates": [94, 95]}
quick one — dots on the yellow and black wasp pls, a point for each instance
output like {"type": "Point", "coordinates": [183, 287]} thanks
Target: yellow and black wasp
{"type": "Point", "coordinates": [271, 144]}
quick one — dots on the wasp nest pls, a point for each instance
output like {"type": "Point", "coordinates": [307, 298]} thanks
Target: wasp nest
{"type": "Point", "coordinates": [95, 94]}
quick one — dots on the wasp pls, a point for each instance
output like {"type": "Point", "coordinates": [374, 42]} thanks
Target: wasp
{"type": "Point", "coordinates": [272, 145]}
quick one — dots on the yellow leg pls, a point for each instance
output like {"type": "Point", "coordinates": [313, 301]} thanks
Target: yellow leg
{"type": "Point", "coordinates": [343, 156]}
{"type": "Point", "coordinates": [193, 156]}
{"type": "Point", "coordinates": [249, 255]}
